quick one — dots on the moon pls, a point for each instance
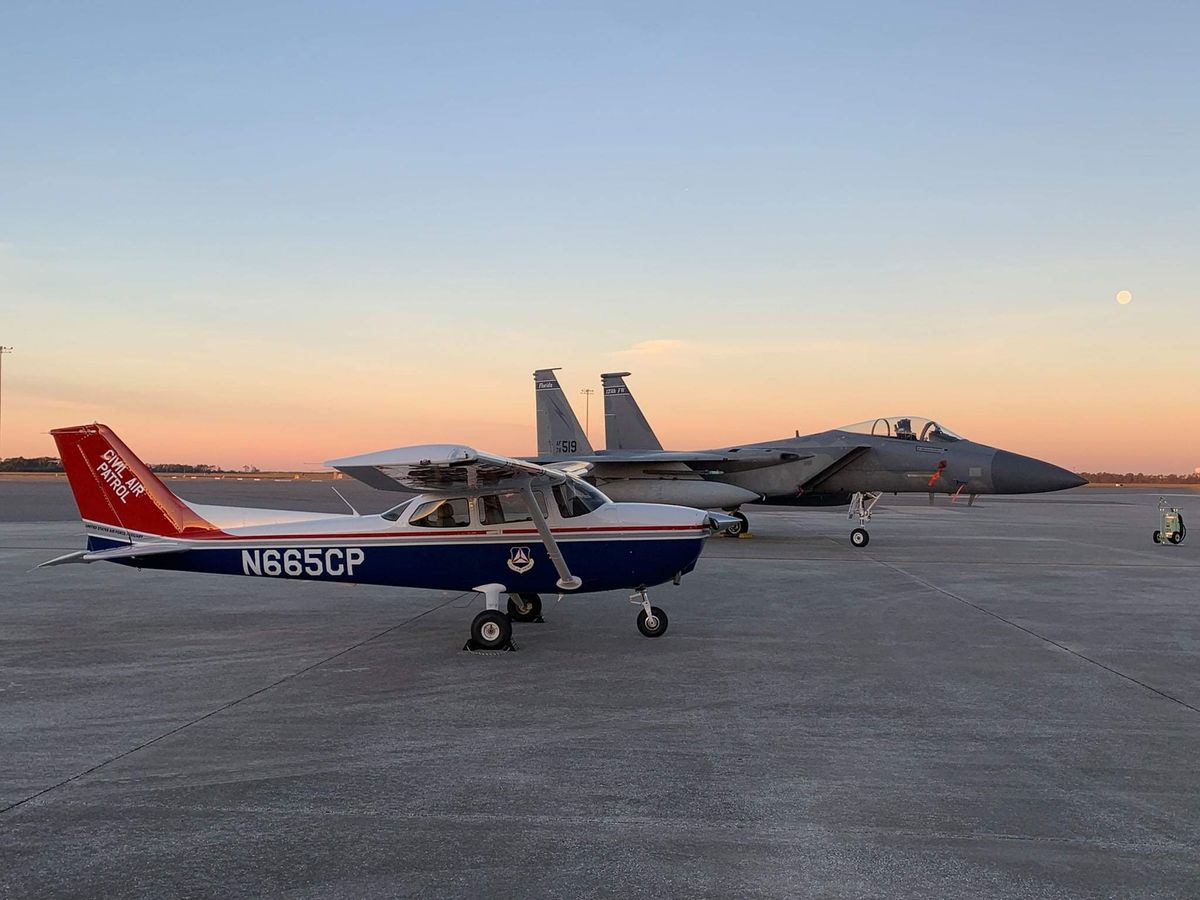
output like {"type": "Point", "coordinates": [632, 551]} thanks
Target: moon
{"type": "Point", "coordinates": [1124, 297]}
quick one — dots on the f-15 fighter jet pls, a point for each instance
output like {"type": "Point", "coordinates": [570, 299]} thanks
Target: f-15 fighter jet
{"type": "Point", "coordinates": [852, 465]}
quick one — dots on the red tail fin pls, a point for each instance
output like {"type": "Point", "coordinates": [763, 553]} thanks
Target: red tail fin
{"type": "Point", "coordinates": [114, 487]}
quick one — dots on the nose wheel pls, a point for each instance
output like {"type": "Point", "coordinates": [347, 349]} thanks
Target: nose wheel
{"type": "Point", "coordinates": [651, 621]}
{"type": "Point", "coordinates": [861, 505]}
{"type": "Point", "coordinates": [491, 630]}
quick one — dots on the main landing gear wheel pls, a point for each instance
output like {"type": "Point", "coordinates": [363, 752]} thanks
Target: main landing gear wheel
{"type": "Point", "coordinates": [525, 607]}
{"type": "Point", "coordinates": [859, 537]}
{"type": "Point", "coordinates": [653, 624]}
{"type": "Point", "coordinates": [491, 630]}
{"type": "Point", "coordinates": [743, 526]}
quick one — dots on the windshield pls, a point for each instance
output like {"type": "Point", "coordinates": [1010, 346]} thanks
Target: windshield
{"type": "Point", "coordinates": [577, 498]}
{"type": "Point", "coordinates": [395, 512]}
{"type": "Point", "coordinates": [905, 428]}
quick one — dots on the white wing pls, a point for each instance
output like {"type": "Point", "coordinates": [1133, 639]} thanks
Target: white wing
{"type": "Point", "coordinates": [455, 469]}
{"type": "Point", "coordinates": [445, 468]}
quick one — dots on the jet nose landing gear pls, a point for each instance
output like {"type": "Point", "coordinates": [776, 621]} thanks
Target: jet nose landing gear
{"type": "Point", "coordinates": [861, 505]}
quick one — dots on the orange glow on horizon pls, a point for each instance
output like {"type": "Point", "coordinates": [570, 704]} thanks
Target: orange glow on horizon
{"type": "Point", "coordinates": [255, 423]}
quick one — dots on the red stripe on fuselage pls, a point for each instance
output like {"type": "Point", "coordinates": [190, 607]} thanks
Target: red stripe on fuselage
{"type": "Point", "coordinates": [438, 533]}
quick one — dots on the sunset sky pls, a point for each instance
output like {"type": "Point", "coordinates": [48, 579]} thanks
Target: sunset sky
{"type": "Point", "coordinates": [275, 233]}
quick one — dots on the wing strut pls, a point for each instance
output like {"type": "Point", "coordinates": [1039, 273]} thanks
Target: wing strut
{"type": "Point", "coordinates": [566, 580]}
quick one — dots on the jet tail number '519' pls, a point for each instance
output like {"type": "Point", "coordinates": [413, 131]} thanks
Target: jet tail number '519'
{"type": "Point", "coordinates": [294, 562]}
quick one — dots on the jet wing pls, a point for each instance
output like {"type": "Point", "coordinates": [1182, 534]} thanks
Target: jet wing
{"type": "Point", "coordinates": [839, 458]}
{"type": "Point", "coordinates": [445, 468]}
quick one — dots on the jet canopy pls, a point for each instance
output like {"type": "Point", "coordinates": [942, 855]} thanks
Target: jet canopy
{"type": "Point", "coordinates": [905, 428]}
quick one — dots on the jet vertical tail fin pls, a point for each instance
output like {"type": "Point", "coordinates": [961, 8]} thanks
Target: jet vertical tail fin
{"type": "Point", "coordinates": [558, 431]}
{"type": "Point", "coordinates": [625, 427]}
{"type": "Point", "coordinates": [116, 492]}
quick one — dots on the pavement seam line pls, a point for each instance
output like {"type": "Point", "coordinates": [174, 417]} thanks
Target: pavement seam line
{"type": "Point", "coordinates": [229, 705]}
{"type": "Point", "coordinates": [1040, 637]}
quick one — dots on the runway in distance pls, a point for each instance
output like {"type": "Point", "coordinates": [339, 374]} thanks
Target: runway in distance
{"type": "Point", "coordinates": [479, 522]}
{"type": "Point", "coordinates": [855, 464]}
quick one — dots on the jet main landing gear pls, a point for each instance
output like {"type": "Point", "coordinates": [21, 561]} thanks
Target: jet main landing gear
{"type": "Point", "coordinates": [861, 505]}
{"type": "Point", "coordinates": [742, 529]}
{"type": "Point", "coordinates": [651, 621]}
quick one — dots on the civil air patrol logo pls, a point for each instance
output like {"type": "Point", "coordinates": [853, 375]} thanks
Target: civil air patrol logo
{"type": "Point", "coordinates": [520, 560]}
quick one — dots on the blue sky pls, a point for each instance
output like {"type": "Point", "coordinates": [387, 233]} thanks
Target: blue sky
{"type": "Point", "coordinates": [374, 187]}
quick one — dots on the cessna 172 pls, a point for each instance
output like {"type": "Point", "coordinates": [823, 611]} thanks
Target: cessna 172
{"type": "Point", "coordinates": [479, 523]}
{"type": "Point", "coordinates": [856, 464]}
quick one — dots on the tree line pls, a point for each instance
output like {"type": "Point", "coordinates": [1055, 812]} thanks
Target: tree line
{"type": "Point", "coordinates": [1138, 478]}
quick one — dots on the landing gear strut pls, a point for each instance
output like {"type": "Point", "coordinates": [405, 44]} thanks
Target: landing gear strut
{"type": "Point", "coordinates": [525, 608]}
{"type": "Point", "coordinates": [861, 505]}
{"type": "Point", "coordinates": [651, 621]}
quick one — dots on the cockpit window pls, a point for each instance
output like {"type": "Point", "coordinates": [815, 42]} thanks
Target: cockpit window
{"type": "Point", "coordinates": [905, 428]}
{"type": "Point", "coordinates": [503, 509]}
{"type": "Point", "coordinates": [454, 513]}
{"type": "Point", "coordinates": [577, 498]}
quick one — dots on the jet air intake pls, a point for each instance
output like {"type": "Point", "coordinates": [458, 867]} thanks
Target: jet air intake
{"type": "Point", "coordinates": [678, 492]}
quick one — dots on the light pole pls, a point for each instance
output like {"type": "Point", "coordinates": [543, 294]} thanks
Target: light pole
{"type": "Point", "coordinates": [587, 411]}
{"type": "Point", "coordinates": [3, 350]}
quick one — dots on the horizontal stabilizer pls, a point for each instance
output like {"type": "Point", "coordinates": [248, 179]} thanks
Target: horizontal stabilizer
{"type": "Point", "coordinates": [573, 467]}
{"type": "Point", "coordinates": [153, 548]}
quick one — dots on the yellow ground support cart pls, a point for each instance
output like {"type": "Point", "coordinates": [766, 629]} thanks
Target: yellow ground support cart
{"type": "Point", "coordinates": [1171, 529]}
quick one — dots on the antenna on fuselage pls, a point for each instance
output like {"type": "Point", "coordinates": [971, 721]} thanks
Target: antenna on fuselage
{"type": "Point", "coordinates": [344, 500]}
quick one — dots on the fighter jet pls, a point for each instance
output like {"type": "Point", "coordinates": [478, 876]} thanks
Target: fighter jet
{"type": "Point", "coordinates": [854, 465]}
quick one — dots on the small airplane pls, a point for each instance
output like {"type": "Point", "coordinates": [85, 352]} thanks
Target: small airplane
{"type": "Point", "coordinates": [479, 522]}
{"type": "Point", "coordinates": [852, 465]}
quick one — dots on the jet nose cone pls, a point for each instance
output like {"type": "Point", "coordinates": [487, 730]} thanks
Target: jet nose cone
{"type": "Point", "coordinates": [1016, 474]}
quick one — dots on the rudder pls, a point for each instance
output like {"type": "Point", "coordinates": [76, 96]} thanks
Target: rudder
{"type": "Point", "coordinates": [558, 431]}
{"type": "Point", "coordinates": [625, 427]}
{"type": "Point", "coordinates": [112, 487]}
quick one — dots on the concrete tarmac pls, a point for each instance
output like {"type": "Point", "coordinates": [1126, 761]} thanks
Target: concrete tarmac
{"type": "Point", "coordinates": [1002, 700]}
